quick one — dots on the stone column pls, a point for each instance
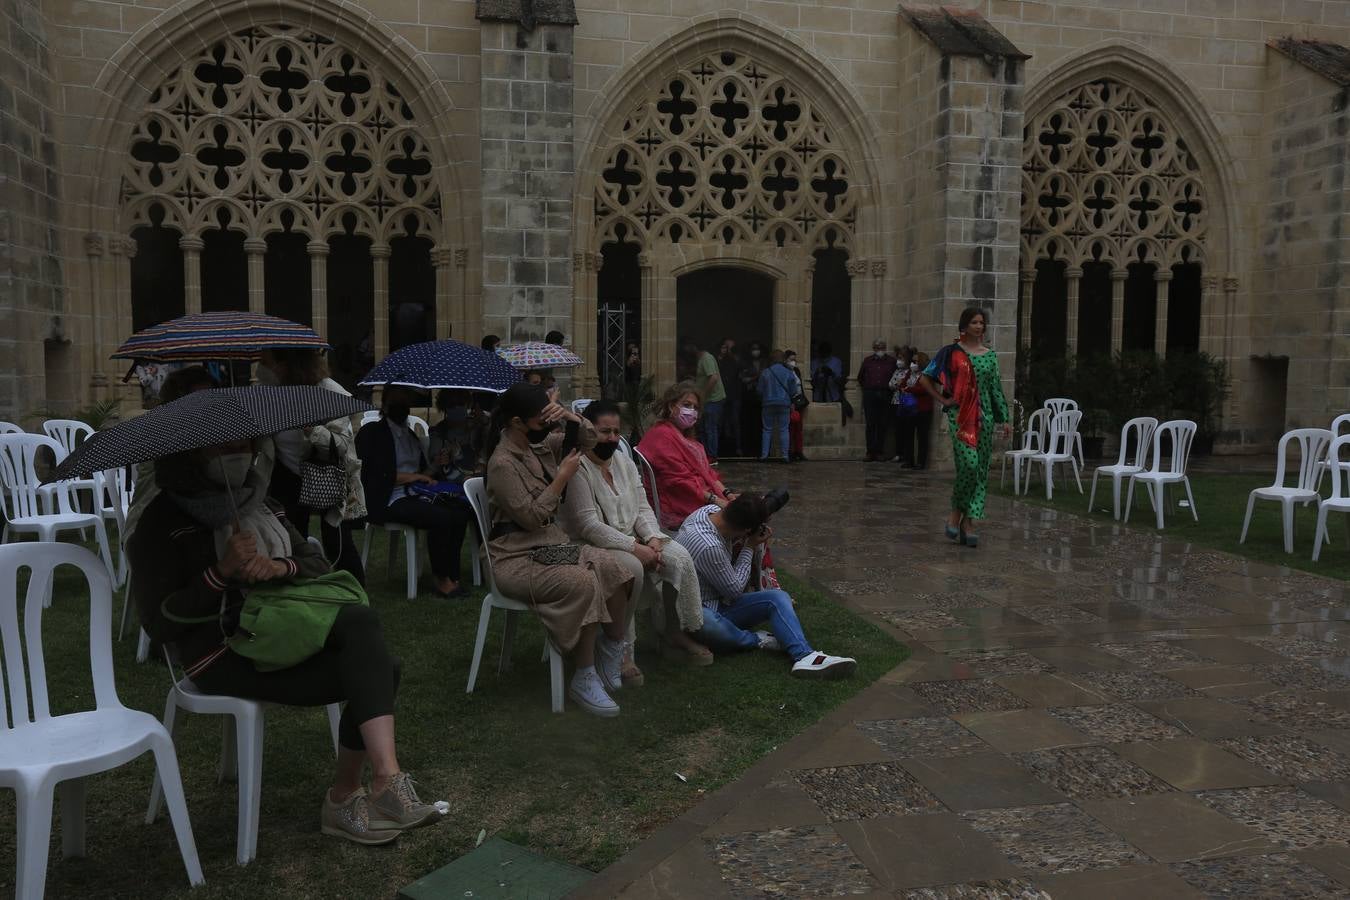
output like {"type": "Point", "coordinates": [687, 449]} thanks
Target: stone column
{"type": "Point", "coordinates": [864, 332]}
{"type": "Point", "coordinates": [1211, 328]}
{"type": "Point", "coordinates": [379, 254]}
{"type": "Point", "coordinates": [585, 322]}
{"type": "Point", "coordinates": [256, 251]}
{"type": "Point", "coordinates": [1230, 288]}
{"type": "Point", "coordinates": [1073, 279]}
{"type": "Point", "coordinates": [447, 326]}
{"type": "Point", "coordinates": [123, 251]}
{"type": "Point", "coordinates": [1163, 277]}
{"type": "Point", "coordinates": [470, 324]}
{"type": "Point", "coordinates": [647, 270]}
{"type": "Point", "coordinates": [101, 324]}
{"type": "Point", "coordinates": [318, 287]}
{"type": "Point", "coordinates": [1118, 278]}
{"type": "Point", "coordinates": [192, 272]}
{"type": "Point", "coordinates": [1026, 287]}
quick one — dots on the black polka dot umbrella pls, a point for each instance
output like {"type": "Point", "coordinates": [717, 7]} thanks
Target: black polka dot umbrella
{"type": "Point", "coordinates": [203, 419]}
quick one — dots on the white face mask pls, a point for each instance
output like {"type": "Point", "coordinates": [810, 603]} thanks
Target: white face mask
{"type": "Point", "coordinates": [230, 469]}
{"type": "Point", "coordinates": [878, 353]}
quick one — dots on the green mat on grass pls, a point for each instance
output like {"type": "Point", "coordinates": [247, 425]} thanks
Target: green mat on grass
{"type": "Point", "coordinates": [498, 869]}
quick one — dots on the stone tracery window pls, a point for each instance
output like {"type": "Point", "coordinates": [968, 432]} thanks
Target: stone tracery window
{"type": "Point", "coordinates": [275, 131]}
{"type": "Point", "coordinates": [728, 151]}
{"type": "Point", "coordinates": [1110, 185]}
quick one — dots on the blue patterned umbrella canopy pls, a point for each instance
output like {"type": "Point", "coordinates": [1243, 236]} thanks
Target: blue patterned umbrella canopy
{"type": "Point", "coordinates": [205, 418]}
{"type": "Point", "coordinates": [217, 335]}
{"type": "Point", "coordinates": [444, 364]}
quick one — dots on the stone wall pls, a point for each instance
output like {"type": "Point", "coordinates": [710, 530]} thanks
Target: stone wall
{"type": "Point", "coordinates": [1302, 272]}
{"type": "Point", "coordinates": [31, 289]}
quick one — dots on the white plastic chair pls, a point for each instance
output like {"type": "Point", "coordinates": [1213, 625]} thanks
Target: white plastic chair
{"type": "Point", "coordinates": [1341, 421]}
{"type": "Point", "coordinates": [1142, 428]}
{"type": "Point", "coordinates": [241, 740]}
{"type": "Point", "coordinates": [1058, 450]}
{"type": "Point", "coordinates": [1033, 442]}
{"type": "Point", "coordinates": [648, 481]}
{"type": "Point", "coordinates": [1063, 404]}
{"type": "Point", "coordinates": [1339, 466]}
{"type": "Point", "coordinates": [412, 559]}
{"type": "Point", "coordinates": [370, 415]}
{"type": "Point", "coordinates": [476, 490]}
{"type": "Point", "coordinates": [19, 500]}
{"type": "Point", "coordinates": [115, 491]}
{"type": "Point", "coordinates": [10, 428]}
{"type": "Point", "coordinates": [1178, 433]}
{"type": "Point", "coordinates": [39, 750]}
{"type": "Point", "coordinates": [70, 433]}
{"type": "Point", "coordinates": [1312, 448]}
{"type": "Point", "coordinates": [579, 406]}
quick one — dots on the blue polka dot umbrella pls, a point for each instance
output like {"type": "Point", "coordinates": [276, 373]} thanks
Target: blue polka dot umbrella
{"type": "Point", "coordinates": [434, 365]}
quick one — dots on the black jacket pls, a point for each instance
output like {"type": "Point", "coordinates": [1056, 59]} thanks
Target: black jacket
{"type": "Point", "coordinates": [379, 466]}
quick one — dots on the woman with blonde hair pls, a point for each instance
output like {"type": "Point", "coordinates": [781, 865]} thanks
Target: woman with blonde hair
{"type": "Point", "coordinates": [685, 481]}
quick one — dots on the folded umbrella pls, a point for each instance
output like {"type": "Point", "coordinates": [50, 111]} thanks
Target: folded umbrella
{"type": "Point", "coordinates": [217, 335]}
{"type": "Point", "coordinates": [539, 355]}
{"type": "Point", "coordinates": [203, 419]}
{"type": "Point", "coordinates": [434, 365]}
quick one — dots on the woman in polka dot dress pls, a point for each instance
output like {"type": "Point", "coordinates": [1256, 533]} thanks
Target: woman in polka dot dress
{"type": "Point", "coordinates": [964, 378]}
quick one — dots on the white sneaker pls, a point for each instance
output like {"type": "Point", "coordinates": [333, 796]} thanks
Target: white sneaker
{"type": "Point", "coordinates": [768, 642]}
{"type": "Point", "coordinates": [609, 662]}
{"type": "Point", "coordinates": [822, 665]}
{"type": "Point", "coordinates": [588, 693]}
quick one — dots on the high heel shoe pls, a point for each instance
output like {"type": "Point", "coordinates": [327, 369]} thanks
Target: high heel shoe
{"type": "Point", "coordinates": [953, 534]}
{"type": "Point", "coordinates": [970, 539]}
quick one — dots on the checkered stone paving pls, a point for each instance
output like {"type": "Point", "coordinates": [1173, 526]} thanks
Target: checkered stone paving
{"type": "Point", "coordinates": [973, 695]}
{"type": "Point", "coordinates": [1295, 710]}
{"type": "Point", "coordinates": [1115, 724]}
{"type": "Point", "coordinates": [998, 889]}
{"type": "Point", "coordinates": [919, 620]}
{"type": "Point", "coordinates": [990, 663]}
{"type": "Point", "coordinates": [1155, 656]}
{"type": "Point", "coordinates": [1285, 815]}
{"type": "Point", "coordinates": [1090, 773]}
{"type": "Point", "coordinates": [867, 791]}
{"type": "Point", "coordinates": [791, 862]}
{"type": "Point", "coordinates": [1305, 675]}
{"type": "Point", "coordinates": [935, 736]}
{"type": "Point", "coordinates": [1137, 685]}
{"type": "Point", "coordinates": [1276, 875]}
{"type": "Point", "coordinates": [1290, 756]}
{"type": "Point", "coordinates": [1054, 838]}
{"type": "Point", "coordinates": [1052, 614]}
{"type": "Point", "coordinates": [1299, 647]}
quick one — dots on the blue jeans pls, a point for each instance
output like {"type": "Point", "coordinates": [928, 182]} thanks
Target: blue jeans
{"type": "Point", "coordinates": [774, 419]}
{"type": "Point", "coordinates": [712, 426]}
{"type": "Point", "coordinates": [725, 627]}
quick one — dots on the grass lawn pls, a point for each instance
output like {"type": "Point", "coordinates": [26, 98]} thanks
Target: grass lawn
{"type": "Point", "coordinates": [573, 787]}
{"type": "Point", "coordinates": [1221, 502]}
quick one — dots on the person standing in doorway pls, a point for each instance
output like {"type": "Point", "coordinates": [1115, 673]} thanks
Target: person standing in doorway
{"type": "Point", "coordinates": [874, 377]}
{"type": "Point", "coordinates": [754, 363]}
{"type": "Point", "coordinates": [708, 378]}
{"type": "Point", "coordinates": [777, 385]}
{"type": "Point", "coordinates": [827, 375]}
{"type": "Point", "coordinates": [729, 368]}
{"type": "Point", "coordinates": [964, 379]}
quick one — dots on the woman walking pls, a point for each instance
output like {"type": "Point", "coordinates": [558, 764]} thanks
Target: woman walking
{"type": "Point", "coordinates": [964, 378]}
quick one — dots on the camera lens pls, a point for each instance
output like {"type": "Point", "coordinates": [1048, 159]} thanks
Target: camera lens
{"type": "Point", "coordinates": [775, 500]}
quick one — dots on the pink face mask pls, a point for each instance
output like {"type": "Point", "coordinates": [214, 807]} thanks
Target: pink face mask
{"type": "Point", "coordinates": [686, 417]}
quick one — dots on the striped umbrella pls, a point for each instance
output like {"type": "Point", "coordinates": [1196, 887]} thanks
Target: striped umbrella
{"type": "Point", "coordinates": [203, 419]}
{"type": "Point", "coordinates": [539, 355]}
{"type": "Point", "coordinates": [217, 335]}
{"type": "Point", "coordinates": [444, 364]}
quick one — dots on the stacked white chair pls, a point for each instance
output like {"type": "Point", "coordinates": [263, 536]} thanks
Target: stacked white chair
{"type": "Point", "coordinates": [19, 500]}
{"type": "Point", "coordinates": [1063, 404]}
{"type": "Point", "coordinates": [1312, 448]}
{"type": "Point", "coordinates": [1141, 429]}
{"type": "Point", "coordinates": [1338, 457]}
{"type": "Point", "coordinates": [1177, 434]}
{"type": "Point", "coordinates": [1337, 424]}
{"type": "Point", "coordinates": [476, 490]}
{"type": "Point", "coordinates": [40, 752]}
{"type": "Point", "coordinates": [1033, 442]}
{"type": "Point", "coordinates": [370, 415]}
{"type": "Point", "coordinates": [1058, 450]}
{"type": "Point", "coordinates": [70, 433]}
{"type": "Point", "coordinates": [10, 428]}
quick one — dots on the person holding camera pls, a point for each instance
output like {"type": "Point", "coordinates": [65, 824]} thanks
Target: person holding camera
{"type": "Point", "coordinates": [725, 543]}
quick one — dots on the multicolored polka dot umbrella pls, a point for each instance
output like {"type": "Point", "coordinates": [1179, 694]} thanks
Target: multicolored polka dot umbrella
{"type": "Point", "coordinates": [434, 365]}
{"type": "Point", "coordinates": [217, 336]}
{"type": "Point", "coordinates": [539, 355]}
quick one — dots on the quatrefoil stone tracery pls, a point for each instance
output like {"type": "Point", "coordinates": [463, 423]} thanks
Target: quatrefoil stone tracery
{"type": "Point", "coordinates": [1105, 175]}
{"type": "Point", "coordinates": [725, 151]}
{"type": "Point", "coordinates": [290, 131]}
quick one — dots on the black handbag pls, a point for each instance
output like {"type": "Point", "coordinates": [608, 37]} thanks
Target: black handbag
{"type": "Point", "coordinates": [323, 485]}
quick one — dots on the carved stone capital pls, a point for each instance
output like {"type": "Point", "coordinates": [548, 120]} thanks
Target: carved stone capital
{"type": "Point", "coordinates": [645, 260]}
{"type": "Point", "coordinates": [1120, 275]}
{"type": "Point", "coordinates": [255, 246]}
{"type": "Point", "coordinates": [442, 257]}
{"type": "Point", "coordinates": [1073, 272]}
{"type": "Point", "coordinates": [1027, 276]}
{"type": "Point", "coordinates": [317, 248]}
{"type": "Point", "coordinates": [461, 257]}
{"type": "Point", "coordinates": [191, 243]}
{"type": "Point", "coordinates": [1230, 285]}
{"type": "Point", "coordinates": [597, 261]}
{"type": "Point", "coordinates": [93, 244]}
{"type": "Point", "coordinates": [578, 261]}
{"type": "Point", "coordinates": [878, 268]}
{"type": "Point", "coordinates": [379, 251]}
{"type": "Point", "coordinates": [1162, 274]}
{"type": "Point", "coordinates": [1209, 282]}
{"type": "Point", "coordinates": [856, 267]}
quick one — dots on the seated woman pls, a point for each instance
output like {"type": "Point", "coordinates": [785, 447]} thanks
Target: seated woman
{"type": "Point", "coordinates": [391, 462]}
{"type": "Point", "coordinates": [684, 479]}
{"type": "Point", "coordinates": [580, 593]}
{"type": "Point", "coordinates": [451, 441]}
{"type": "Point", "coordinates": [210, 534]}
{"type": "Point", "coordinates": [606, 506]}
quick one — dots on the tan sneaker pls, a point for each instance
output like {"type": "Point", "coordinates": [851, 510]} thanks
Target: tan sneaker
{"type": "Point", "coordinates": [350, 819]}
{"type": "Point", "coordinates": [398, 806]}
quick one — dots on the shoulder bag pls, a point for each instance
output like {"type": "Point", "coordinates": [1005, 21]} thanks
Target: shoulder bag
{"type": "Point", "coordinates": [283, 625]}
{"type": "Point", "coordinates": [323, 485]}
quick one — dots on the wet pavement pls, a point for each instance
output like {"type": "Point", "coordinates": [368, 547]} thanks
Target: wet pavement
{"type": "Point", "coordinates": [1088, 712]}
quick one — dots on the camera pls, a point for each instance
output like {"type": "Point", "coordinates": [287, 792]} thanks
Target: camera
{"type": "Point", "coordinates": [775, 500]}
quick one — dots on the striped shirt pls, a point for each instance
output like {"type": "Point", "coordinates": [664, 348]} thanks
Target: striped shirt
{"type": "Point", "coordinates": [720, 578]}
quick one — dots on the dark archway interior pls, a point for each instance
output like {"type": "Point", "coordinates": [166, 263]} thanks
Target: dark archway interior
{"type": "Point", "coordinates": [286, 277]}
{"type": "Point", "coordinates": [157, 290]}
{"type": "Point", "coordinates": [831, 304]}
{"type": "Point", "coordinates": [618, 288]}
{"type": "Point", "coordinates": [351, 308]}
{"type": "Point", "coordinates": [724, 302]}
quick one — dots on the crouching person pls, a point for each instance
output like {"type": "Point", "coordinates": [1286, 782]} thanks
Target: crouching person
{"type": "Point", "coordinates": [210, 536]}
{"type": "Point", "coordinates": [723, 543]}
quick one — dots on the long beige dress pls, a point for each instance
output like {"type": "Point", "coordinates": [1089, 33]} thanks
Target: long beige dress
{"type": "Point", "coordinates": [567, 598]}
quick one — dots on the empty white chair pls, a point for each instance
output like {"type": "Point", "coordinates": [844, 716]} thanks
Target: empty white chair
{"type": "Point", "coordinates": [1033, 442]}
{"type": "Point", "coordinates": [1337, 424]}
{"type": "Point", "coordinates": [1058, 450]}
{"type": "Point", "coordinates": [370, 415]}
{"type": "Point", "coordinates": [1338, 457]}
{"type": "Point", "coordinates": [39, 751]}
{"type": "Point", "coordinates": [1063, 404]}
{"type": "Point", "coordinates": [476, 490]}
{"type": "Point", "coordinates": [70, 433]}
{"type": "Point", "coordinates": [10, 428]}
{"type": "Point", "coordinates": [1176, 435]}
{"type": "Point", "coordinates": [19, 500]}
{"type": "Point", "coordinates": [1312, 448]}
{"type": "Point", "coordinates": [1141, 429]}
{"type": "Point", "coordinates": [240, 751]}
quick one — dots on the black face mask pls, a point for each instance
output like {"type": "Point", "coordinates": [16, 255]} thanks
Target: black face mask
{"type": "Point", "coordinates": [537, 435]}
{"type": "Point", "coordinates": [605, 449]}
{"type": "Point", "coordinates": [398, 412]}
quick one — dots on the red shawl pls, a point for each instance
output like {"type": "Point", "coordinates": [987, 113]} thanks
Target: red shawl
{"type": "Point", "coordinates": [683, 476]}
{"type": "Point", "coordinates": [952, 364]}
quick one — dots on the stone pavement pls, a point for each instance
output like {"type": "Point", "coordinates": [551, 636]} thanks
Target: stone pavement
{"type": "Point", "coordinates": [1088, 712]}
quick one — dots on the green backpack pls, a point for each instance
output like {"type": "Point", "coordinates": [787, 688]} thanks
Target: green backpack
{"type": "Point", "coordinates": [282, 625]}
